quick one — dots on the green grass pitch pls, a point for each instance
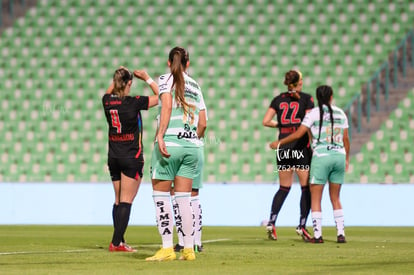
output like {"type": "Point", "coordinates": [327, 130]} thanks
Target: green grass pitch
{"type": "Point", "coordinates": [227, 250]}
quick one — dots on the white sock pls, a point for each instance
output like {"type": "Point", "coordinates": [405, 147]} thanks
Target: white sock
{"type": "Point", "coordinates": [317, 224]}
{"type": "Point", "coordinates": [178, 222]}
{"type": "Point", "coordinates": [163, 213]}
{"type": "Point", "coordinates": [339, 220]}
{"type": "Point", "coordinates": [198, 218]}
{"type": "Point", "coordinates": [183, 200]}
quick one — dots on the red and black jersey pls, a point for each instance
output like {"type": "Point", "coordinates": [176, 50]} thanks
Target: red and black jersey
{"type": "Point", "coordinates": [125, 125]}
{"type": "Point", "coordinates": [290, 113]}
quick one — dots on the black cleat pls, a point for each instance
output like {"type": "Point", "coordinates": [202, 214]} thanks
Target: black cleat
{"type": "Point", "coordinates": [316, 240]}
{"type": "Point", "coordinates": [178, 248]}
{"type": "Point", "coordinates": [341, 239]}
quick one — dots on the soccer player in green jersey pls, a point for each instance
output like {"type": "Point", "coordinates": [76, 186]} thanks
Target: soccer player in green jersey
{"type": "Point", "coordinates": [176, 153]}
{"type": "Point", "coordinates": [195, 200]}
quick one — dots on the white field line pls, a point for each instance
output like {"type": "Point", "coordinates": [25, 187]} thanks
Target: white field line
{"type": "Point", "coordinates": [215, 241]}
{"type": "Point", "coordinates": [89, 250]}
{"type": "Point", "coordinates": [158, 245]}
{"type": "Point", "coordinates": [45, 252]}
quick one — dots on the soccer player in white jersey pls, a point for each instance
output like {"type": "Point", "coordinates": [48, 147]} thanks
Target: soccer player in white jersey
{"type": "Point", "coordinates": [176, 154]}
{"type": "Point", "coordinates": [197, 185]}
{"type": "Point", "coordinates": [330, 142]}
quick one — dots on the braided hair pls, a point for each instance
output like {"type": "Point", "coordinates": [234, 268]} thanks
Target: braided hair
{"type": "Point", "coordinates": [324, 94]}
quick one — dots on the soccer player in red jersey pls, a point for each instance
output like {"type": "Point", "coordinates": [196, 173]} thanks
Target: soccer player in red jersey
{"type": "Point", "coordinates": [125, 151]}
{"type": "Point", "coordinates": [290, 108]}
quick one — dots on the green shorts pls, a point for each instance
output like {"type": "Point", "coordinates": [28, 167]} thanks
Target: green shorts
{"type": "Point", "coordinates": [198, 180]}
{"type": "Point", "coordinates": [183, 162]}
{"type": "Point", "coordinates": [330, 168]}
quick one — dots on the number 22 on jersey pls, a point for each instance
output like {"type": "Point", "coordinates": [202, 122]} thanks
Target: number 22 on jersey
{"type": "Point", "coordinates": [294, 106]}
{"type": "Point", "coordinates": [337, 135]}
{"type": "Point", "coordinates": [116, 123]}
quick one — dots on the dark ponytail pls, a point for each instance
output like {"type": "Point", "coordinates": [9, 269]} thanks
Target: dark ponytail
{"type": "Point", "coordinates": [324, 94]}
{"type": "Point", "coordinates": [178, 58]}
{"type": "Point", "coordinates": [292, 79]}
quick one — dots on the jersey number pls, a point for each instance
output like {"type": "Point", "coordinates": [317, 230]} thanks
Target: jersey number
{"type": "Point", "coordinates": [337, 135]}
{"type": "Point", "coordinates": [294, 106]}
{"type": "Point", "coordinates": [116, 123]}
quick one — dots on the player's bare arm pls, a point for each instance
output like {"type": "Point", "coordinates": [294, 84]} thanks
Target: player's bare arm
{"type": "Point", "coordinates": [290, 138]}
{"type": "Point", "coordinates": [268, 118]}
{"type": "Point", "coordinates": [166, 99]}
{"type": "Point", "coordinates": [347, 147]}
{"type": "Point", "coordinates": [202, 123]}
{"type": "Point", "coordinates": [110, 88]}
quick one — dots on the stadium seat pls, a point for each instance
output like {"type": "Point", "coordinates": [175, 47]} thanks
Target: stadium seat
{"type": "Point", "coordinates": [239, 53]}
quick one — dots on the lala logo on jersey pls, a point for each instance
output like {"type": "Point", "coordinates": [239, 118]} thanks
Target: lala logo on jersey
{"type": "Point", "coordinates": [333, 147]}
{"type": "Point", "coordinates": [187, 133]}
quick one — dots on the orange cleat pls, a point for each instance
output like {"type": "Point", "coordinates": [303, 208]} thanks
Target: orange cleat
{"type": "Point", "coordinates": [122, 247]}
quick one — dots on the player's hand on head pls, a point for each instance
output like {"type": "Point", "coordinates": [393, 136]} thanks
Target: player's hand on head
{"type": "Point", "coordinates": [141, 74]}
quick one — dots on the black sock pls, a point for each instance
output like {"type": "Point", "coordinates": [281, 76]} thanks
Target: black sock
{"type": "Point", "coordinates": [122, 218]}
{"type": "Point", "coordinates": [277, 203]}
{"type": "Point", "coordinates": [114, 210]}
{"type": "Point", "coordinates": [305, 205]}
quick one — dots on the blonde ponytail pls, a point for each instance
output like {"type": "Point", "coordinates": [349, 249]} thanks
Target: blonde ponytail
{"type": "Point", "coordinates": [178, 58]}
{"type": "Point", "coordinates": [121, 78]}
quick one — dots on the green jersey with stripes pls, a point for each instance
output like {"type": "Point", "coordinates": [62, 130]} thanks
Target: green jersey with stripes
{"type": "Point", "coordinates": [182, 128]}
{"type": "Point", "coordinates": [325, 146]}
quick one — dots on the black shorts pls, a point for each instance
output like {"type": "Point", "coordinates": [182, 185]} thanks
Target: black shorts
{"type": "Point", "coordinates": [293, 159]}
{"type": "Point", "coordinates": [130, 167]}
